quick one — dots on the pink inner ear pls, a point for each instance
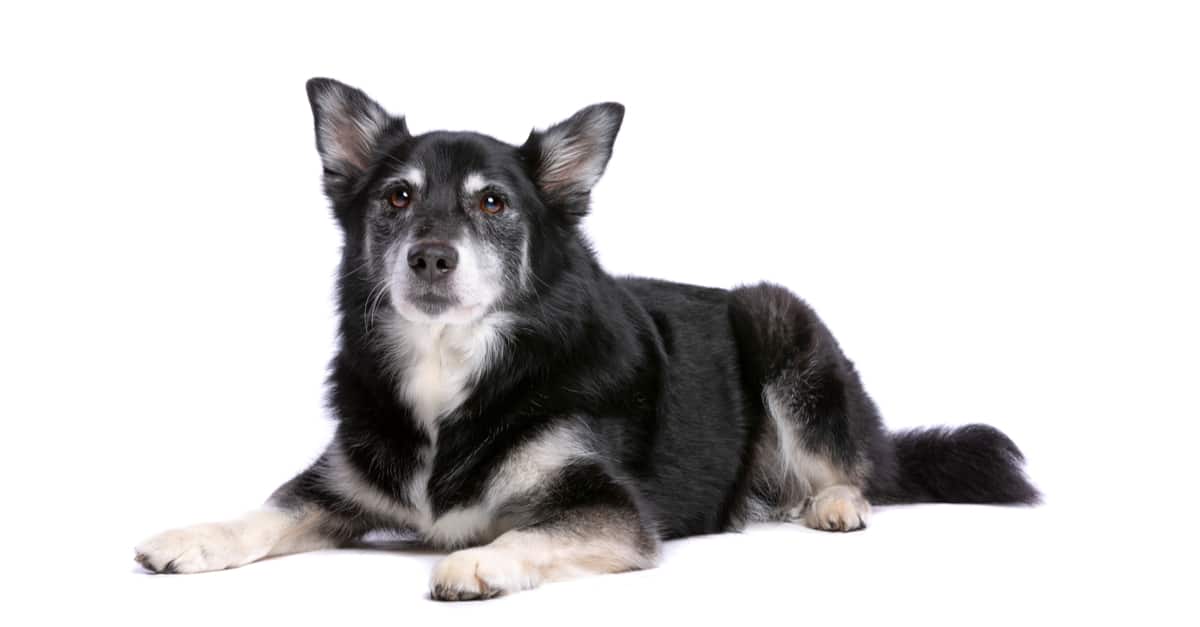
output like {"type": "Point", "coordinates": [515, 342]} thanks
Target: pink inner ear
{"type": "Point", "coordinates": [568, 164]}
{"type": "Point", "coordinates": [351, 145]}
{"type": "Point", "coordinates": [350, 133]}
{"type": "Point", "coordinates": [353, 138]}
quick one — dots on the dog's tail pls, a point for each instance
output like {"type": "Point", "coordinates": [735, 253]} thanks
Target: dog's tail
{"type": "Point", "coordinates": [971, 464]}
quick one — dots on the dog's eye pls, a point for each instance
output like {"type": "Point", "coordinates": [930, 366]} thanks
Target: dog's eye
{"type": "Point", "coordinates": [491, 204]}
{"type": "Point", "coordinates": [400, 198]}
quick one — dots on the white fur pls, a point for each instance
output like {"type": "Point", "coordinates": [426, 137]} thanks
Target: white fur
{"type": "Point", "coordinates": [789, 445]}
{"type": "Point", "coordinates": [410, 174]}
{"type": "Point", "coordinates": [216, 546]}
{"type": "Point", "coordinates": [526, 468]}
{"type": "Point", "coordinates": [477, 283]}
{"type": "Point", "coordinates": [838, 508]}
{"type": "Point", "coordinates": [818, 494]}
{"type": "Point", "coordinates": [474, 183]}
{"type": "Point", "coordinates": [436, 364]}
{"type": "Point", "coordinates": [810, 470]}
{"type": "Point", "coordinates": [522, 472]}
{"type": "Point", "coordinates": [414, 175]}
{"type": "Point", "coordinates": [482, 572]}
{"type": "Point", "coordinates": [436, 360]}
{"type": "Point", "coordinates": [523, 559]}
{"type": "Point", "coordinates": [525, 273]}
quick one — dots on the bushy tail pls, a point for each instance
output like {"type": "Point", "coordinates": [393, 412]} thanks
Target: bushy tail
{"type": "Point", "coordinates": [971, 464]}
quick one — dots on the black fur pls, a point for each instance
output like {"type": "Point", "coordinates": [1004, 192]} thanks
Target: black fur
{"type": "Point", "coordinates": [971, 464]}
{"type": "Point", "coordinates": [679, 410]}
{"type": "Point", "coordinates": [671, 379]}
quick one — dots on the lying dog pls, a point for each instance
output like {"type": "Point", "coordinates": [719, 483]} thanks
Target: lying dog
{"type": "Point", "coordinates": [496, 389]}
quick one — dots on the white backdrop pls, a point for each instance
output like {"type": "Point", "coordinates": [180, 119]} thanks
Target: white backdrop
{"type": "Point", "coordinates": [993, 207]}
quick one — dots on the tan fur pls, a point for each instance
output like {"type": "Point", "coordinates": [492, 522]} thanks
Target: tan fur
{"type": "Point", "coordinates": [522, 472]}
{"type": "Point", "coordinates": [815, 490]}
{"type": "Point", "coordinates": [524, 559]}
{"type": "Point", "coordinates": [215, 546]}
{"type": "Point", "coordinates": [838, 508]}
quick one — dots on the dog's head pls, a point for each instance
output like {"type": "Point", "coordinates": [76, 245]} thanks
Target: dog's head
{"type": "Point", "coordinates": [452, 225]}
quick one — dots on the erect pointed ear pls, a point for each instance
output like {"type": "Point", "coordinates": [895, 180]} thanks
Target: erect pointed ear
{"type": "Point", "coordinates": [348, 126]}
{"type": "Point", "coordinates": [568, 158]}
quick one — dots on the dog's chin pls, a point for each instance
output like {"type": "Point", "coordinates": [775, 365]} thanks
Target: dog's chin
{"type": "Point", "coordinates": [439, 310]}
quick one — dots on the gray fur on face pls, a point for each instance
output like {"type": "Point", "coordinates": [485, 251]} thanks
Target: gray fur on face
{"type": "Point", "coordinates": [493, 250]}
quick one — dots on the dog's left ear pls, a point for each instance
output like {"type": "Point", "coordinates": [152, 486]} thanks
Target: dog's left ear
{"type": "Point", "coordinates": [567, 159]}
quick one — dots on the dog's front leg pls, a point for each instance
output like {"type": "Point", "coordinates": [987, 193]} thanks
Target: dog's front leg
{"type": "Point", "coordinates": [593, 528]}
{"type": "Point", "coordinates": [588, 541]}
{"type": "Point", "coordinates": [290, 522]}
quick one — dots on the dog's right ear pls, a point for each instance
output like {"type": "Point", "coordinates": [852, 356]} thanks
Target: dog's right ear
{"type": "Point", "coordinates": [348, 125]}
{"type": "Point", "coordinates": [568, 158]}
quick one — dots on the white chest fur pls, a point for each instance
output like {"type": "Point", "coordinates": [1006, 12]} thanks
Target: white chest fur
{"type": "Point", "coordinates": [435, 365]}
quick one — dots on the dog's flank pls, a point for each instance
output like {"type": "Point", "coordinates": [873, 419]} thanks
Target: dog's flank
{"type": "Point", "coordinates": [498, 393]}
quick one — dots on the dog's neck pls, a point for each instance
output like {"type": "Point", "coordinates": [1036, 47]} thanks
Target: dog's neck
{"type": "Point", "coordinates": [435, 366]}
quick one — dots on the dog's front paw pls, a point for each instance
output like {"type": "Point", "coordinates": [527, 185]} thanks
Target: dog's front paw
{"type": "Point", "coordinates": [193, 549]}
{"type": "Point", "coordinates": [838, 508]}
{"type": "Point", "coordinates": [480, 573]}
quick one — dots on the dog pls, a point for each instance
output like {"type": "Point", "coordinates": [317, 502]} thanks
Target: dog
{"type": "Point", "coordinates": [502, 396]}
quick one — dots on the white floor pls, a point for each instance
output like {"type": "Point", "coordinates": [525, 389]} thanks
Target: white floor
{"type": "Point", "coordinates": [992, 205]}
{"type": "Point", "coordinates": [933, 564]}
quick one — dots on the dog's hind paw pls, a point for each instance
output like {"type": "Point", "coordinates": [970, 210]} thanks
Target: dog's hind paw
{"type": "Point", "coordinates": [837, 508]}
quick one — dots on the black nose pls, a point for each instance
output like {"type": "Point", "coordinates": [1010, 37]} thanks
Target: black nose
{"type": "Point", "coordinates": [432, 261]}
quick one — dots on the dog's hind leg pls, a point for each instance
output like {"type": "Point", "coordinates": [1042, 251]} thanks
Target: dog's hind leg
{"type": "Point", "coordinates": [823, 433]}
{"type": "Point", "coordinates": [823, 481]}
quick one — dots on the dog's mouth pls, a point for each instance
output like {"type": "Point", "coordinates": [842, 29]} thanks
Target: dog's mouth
{"type": "Point", "coordinates": [437, 308]}
{"type": "Point", "coordinates": [432, 303]}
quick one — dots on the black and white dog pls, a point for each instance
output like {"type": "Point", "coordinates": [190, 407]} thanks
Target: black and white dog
{"type": "Point", "coordinates": [498, 393]}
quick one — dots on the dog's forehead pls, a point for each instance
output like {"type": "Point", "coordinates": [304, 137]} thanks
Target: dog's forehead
{"type": "Point", "coordinates": [448, 157]}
